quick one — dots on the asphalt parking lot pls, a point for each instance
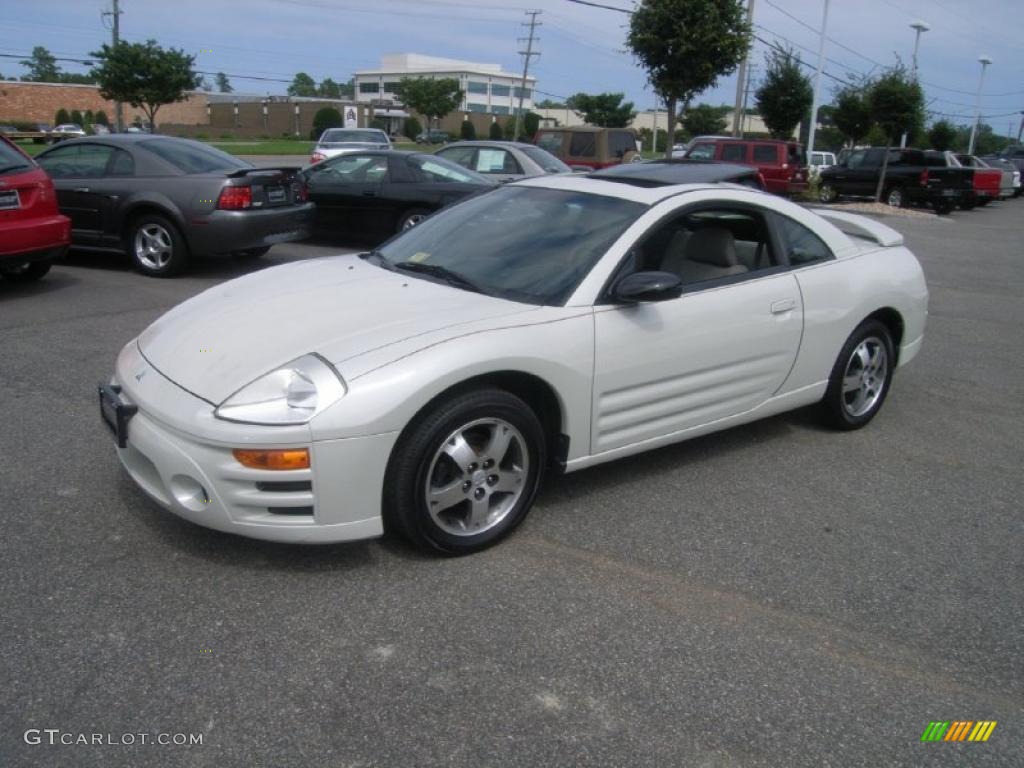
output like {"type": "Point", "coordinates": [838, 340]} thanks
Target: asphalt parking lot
{"type": "Point", "coordinates": [774, 595]}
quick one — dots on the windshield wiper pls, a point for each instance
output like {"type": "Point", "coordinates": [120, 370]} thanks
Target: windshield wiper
{"type": "Point", "coordinates": [376, 257]}
{"type": "Point", "coordinates": [436, 270]}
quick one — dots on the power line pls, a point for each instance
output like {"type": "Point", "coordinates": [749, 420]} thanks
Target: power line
{"type": "Point", "coordinates": [599, 5]}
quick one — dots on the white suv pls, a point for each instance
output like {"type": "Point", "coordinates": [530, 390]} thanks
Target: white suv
{"type": "Point", "coordinates": [338, 141]}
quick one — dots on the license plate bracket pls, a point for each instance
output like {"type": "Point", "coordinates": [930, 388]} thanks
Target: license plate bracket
{"type": "Point", "coordinates": [276, 195]}
{"type": "Point", "coordinates": [9, 200]}
{"type": "Point", "coordinates": [115, 412]}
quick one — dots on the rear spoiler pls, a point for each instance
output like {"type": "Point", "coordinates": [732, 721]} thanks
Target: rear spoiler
{"type": "Point", "coordinates": [861, 226]}
{"type": "Point", "coordinates": [237, 174]}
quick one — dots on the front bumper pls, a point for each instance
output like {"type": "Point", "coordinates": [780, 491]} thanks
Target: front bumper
{"type": "Point", "coordinates": [197, 478]}
{"type": "Point", "coordinates": [224, 231]}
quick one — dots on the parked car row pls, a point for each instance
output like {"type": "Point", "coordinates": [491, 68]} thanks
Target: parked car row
{"type": "Point", "coordinates": [941, 180]}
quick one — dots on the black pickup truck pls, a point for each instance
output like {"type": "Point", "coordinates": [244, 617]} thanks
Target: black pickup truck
{"type": "Point", "coordinates": [910, 178]}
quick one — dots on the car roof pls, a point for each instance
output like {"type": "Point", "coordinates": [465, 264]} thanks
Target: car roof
{"type": "Point", "coordinates": [608, 188]}
{"type": "Point", "coordinates": [675, 171]}
{"type": "Point", "coordinates": [490, 143]}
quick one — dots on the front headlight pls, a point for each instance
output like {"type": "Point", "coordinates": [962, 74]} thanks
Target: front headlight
{"type": "Point", "coordinates": [291, 394]}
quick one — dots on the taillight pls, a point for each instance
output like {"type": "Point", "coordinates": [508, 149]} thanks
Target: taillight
{"type": "Point", "coordinates": [316, 157]}
{"type": "Point", "coordinates": [301, 192]}
{"type": "Point", "coordinates": [235, 198]}
{"type": "Point", "coordinates": [923, 178]}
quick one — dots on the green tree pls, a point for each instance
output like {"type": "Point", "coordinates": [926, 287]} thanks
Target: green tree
{"type": "Point", "coordinates": [42, 67]}
{"type": "Point", "coordinates": [496, 132]}
{"type": "Point", "coordinates": [606, 110]}
{"type": "Point", "coordinates": [302, 85]}
{"type": "Point", "coordinates": [942, 135]}
{"type": "Point", "coordinates": [785, 94]}
{"type": "Point", "coordinates": [76, 117]}
{"type": "Point", "coordinates": [704, 120]}
{"type": "Point", "coordinates": [61, 117]}
{"type": "Point", "coordinates": [686, 45]}
{"type": "Point", "coordinates": [348, 89]}
{"type": "Point", "coordinates": [467, 132]}
{"type": "Point", "coordinates": [412, 128]}
{"type": "Point", "coordinates": [325, 118]}
{"type": "Point", "coordinates": [851, 115]}
{"type": "Point", "coordinates": [431, 98]}
{"type": "Point", "coordinates": [89, 117]}
{"type": "Point", "coordinates": [222, 82]}
{"type": "Point", "coordinates": [549, 104]}
{"type": "Point", "coordinates": [76, 78]}
{"type": "Point", "coordinates": [531, 123]}
{"type": "Point", "coordinates": [896, 103]}
{"type": "Point", "coordinates": [329, 89]}
{"type": "Point", "coordinates": [144, 75]}
{"type": "Point", "coordinates": [102, 119]}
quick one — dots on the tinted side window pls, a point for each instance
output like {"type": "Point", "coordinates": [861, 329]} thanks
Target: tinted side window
{"type": "Point", "coordinates": [583, 145]}
{"type": "Point", "coordinates": [802, 246]}
{"type": "Point", "coordinates": [123, 164]}
{"type": "Point", "coordinates": [620, 142]}
{"type": "Point", "coordinates": [88, 161]}
{"type": "Point", "coordinates": [461, 155]}
{"type": "Point", "coordinates": [702, 152]}
{"type": "Point", "coordinates": [766, 153]}
{"type": "Point", "coordinates": [735, 152]}
{"type": "Point", "coordinates": [350, 169]}
{"type": "Point", "coordinates": [552, 142]}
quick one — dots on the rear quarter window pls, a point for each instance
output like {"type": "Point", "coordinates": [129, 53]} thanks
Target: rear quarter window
{"type": "Point", "coordinates": [583, 145]}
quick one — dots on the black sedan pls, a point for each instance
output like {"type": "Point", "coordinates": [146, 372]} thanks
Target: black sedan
{"type": "Point", "coordinates": [371, 195]}
{"type": "Point", "coordinates": [162, 199]}
{"type": "Point", "coordinates": [660, 173]}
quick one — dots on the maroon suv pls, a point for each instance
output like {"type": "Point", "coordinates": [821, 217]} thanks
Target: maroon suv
{"type": "Point", "coordinates": [783, 164]}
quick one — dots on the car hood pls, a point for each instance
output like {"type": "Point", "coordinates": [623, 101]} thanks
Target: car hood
{"type": "Point", "coordinates": [339, 308]}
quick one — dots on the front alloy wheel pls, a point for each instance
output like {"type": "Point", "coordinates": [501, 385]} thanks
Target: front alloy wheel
{"type": "Point", "coordinates": [827, 193]}
{"type": "Point", "coordinates": [465, 472]}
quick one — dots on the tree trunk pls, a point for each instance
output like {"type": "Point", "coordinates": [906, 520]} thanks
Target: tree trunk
{"type": "Point", "coordinates": [670, 139]}
{"type": "Point", "coordinates": [152, 116]}
{"type": "Point", "coordinates": [881, 176]}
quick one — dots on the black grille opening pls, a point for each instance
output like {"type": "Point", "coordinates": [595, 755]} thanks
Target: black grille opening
{"type": "Point", "coordinates": [285, 486]}
{"type": "Point", "coordinates": [290, 511]}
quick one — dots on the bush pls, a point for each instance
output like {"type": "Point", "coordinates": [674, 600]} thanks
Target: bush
{"type": "Point", "coordinates": [61, 117]}
{"type": "Point", "coordinates": [468, 131]}
{"type": "Point", "coordinates": [89, 117]}
{"type": "Point", "coordinates": [325, 118]}
{"type": "Point", "coordinates": [497, 133]}
{"type": "Point", "coordinates": [76, 117]}
{"type": "Point", "coordinates": [101, 118]}
{"type": "Point", "coordinates": [412, 128]}
{"type": "Point", "coordinates": [228, 136]}
{"type": "Point", "coordinates": [531, 124]}
{"type": "Point", "coordinates": [380, 124]}
{"type": "Point", "coordinates": [202, 136]}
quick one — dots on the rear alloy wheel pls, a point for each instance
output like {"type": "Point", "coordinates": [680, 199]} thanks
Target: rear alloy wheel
{"type": "Point", "coordinates": [861, 376]}
{"type": "Point", "coordinates": [943, 207]}
{"type": "Point", "coordinates": [251, 253]}
{"type": "Point", "coordinates": [25, 272]}
{"type": "Point", "coordinates": [466, 474]}
{"type": "Point", "coordinates": [894, 197]}
{"type": "Point", "coordinates": [412, 218]}
{"type": "Point", "coordinates": [155, 245]}
{"type": "Point", "coordinates": [827, 193]}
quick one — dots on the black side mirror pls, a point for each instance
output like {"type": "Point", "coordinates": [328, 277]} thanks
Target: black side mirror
{"type": "Point", "coordinates": [648, 286]}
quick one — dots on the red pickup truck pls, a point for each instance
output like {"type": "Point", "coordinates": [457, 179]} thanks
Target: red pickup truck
{"type": "Point", "coordinates": [987, 181]}
{"type": "Point", "coordinates": [32, 232]}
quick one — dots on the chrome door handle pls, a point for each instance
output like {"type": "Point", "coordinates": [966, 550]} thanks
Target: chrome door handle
{"type": "Point", "coordinates": [785, 305]}
{"type": "Point", "coordinates": [81, 189]}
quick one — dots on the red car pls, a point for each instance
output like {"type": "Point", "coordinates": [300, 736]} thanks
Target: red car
{"type": "Point", "coordinates": [783, 164]}
{"type": "Point", "coordinates": [32, 232]}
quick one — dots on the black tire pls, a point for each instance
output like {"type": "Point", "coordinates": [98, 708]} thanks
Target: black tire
{"type": "Point", "coordinates": [842, 408]}
{"type": "Point", "coordinates": [173, 254]}
{"type": "Point", "coordinates": [894, 196]}
{"type": "Point", "coordinates": [983, 201]}
{"type": "Point", "coordinates": [827, 193]}
{"type": "Point", "coordinates": [411, 218]}
{"type": "Point", "coordinates": [251, 253]}
{"type": "Point", "coordinates": [943, 207]}
{"type": "Point", "coordinates": [25, 272]}
{"type": "Point", "coordinates": [968, 205]}
{"type": "Point", "coordinates": [420, 457]}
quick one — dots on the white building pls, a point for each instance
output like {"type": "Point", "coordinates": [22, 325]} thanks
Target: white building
{"type": "Point", "coordinates": [488, 89]}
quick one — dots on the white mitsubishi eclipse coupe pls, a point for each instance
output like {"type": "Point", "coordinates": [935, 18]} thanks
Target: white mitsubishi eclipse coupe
{"type": "Point", "coordinates": [553, 323]}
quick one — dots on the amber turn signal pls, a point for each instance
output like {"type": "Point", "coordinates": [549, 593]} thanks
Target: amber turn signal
{"type": "Point", "coordinates": [275, 459]}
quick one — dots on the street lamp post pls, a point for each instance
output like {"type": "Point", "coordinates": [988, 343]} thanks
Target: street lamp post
{"type": "Point", "coordinates": [919, 26]}
{"type": "Point", "coordinates": [985, 61]}
{"type": "Point", "coordinates": [817, 82]}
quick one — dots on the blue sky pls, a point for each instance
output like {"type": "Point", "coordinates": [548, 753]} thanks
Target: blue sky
{"type": "Point", "coordinates": [582, 48]}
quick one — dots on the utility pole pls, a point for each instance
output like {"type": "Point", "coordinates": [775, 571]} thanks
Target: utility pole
{"type": "Point", "coordinates": [984, 61]}
{"type": "Point", "coordinates": [116, 37]}
{"type": "Point", "coordinates": [527, 55]}
{"type": "Point", "coordinates": [817, 81]}
{"type": "Point", "coordinates": [746, 96]}
{"type": "Point", "coordinates": [741, 78]}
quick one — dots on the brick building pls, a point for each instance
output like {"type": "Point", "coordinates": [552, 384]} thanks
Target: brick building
{"type": "Point", "coordinates": [39, 102]}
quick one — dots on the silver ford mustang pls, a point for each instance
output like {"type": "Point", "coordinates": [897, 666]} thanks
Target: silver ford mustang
{"type": "Point", "coordinates": [551, 324]}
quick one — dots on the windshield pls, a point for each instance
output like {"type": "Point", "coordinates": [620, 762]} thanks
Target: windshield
{"type": "Point", "coordinates": [348, 135]}
{"type": "Point", "coordinates": [521, 243]}
{"type": "Point", "coordinates": [548, 162]}
{"type": "Point", "coordinates": [192, 157]}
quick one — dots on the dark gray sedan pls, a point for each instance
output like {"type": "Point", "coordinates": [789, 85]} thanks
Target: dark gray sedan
{"type": "Point", "coordinates": [163, 199]}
